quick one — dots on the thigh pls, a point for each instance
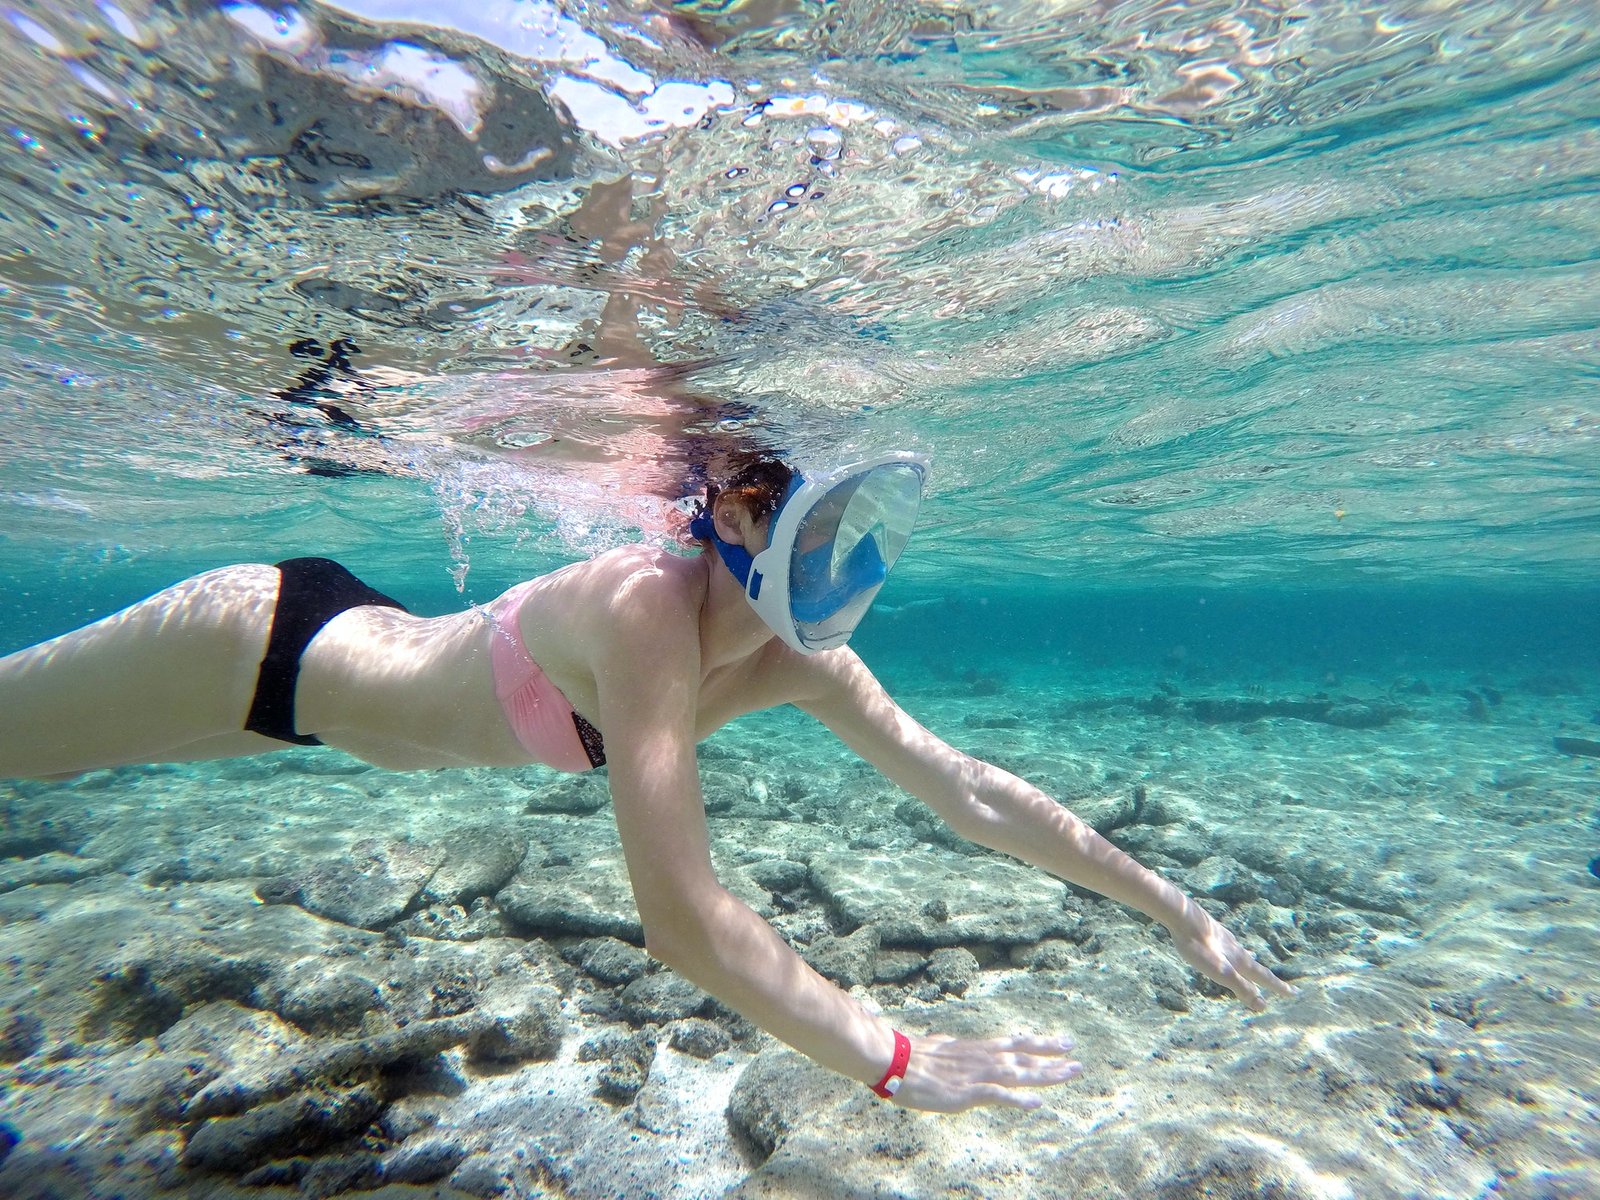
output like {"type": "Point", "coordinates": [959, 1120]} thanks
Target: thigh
{"type": "Point", "coordinates": [140, 684]}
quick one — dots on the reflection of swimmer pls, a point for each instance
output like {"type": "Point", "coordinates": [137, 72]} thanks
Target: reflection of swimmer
{"type": "Point", "coordinates": [325, 385]}
{"type": "Point", "coordinates": [312, 386]}
{"type": "Point", "coordinates": [629, 659]}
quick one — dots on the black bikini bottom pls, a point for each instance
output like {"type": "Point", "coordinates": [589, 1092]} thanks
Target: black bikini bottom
{"type": "Point", "coordinates": [311, 592]}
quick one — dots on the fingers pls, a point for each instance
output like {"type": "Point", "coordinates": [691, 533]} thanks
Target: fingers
{"type": "Point", "coordinates": [1029, 1061]}
{"type": "Point", "coordinates": [1229, 977]}
{"type": "Point", "coordinates": [1267, 979]}
{"type": "Point", "coordinates": [1247, 977]}
{"type": "Point", "coordinates": [1263, 977]}
{"type": "Point", "coordinates": [1044, 1073]}
{"type": "Point", "coordinates": [1216, 953]}
{"type": "Point", "coordinates": [1003, 1095]}
{"type": "Point", "coordinates": [951, 1074]}
{"type": "Point", "coordinates": [1025, 1043]}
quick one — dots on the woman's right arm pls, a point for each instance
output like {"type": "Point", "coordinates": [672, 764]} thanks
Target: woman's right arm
{"type": "Point", "coordinates": [648, 676]}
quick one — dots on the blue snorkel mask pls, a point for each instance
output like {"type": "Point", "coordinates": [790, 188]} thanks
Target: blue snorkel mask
{"type": "Point", "coordinates": [830, 544]}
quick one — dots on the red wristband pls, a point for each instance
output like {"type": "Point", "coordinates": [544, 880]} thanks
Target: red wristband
{"type": "Point", "coordinates": [895, 1075]}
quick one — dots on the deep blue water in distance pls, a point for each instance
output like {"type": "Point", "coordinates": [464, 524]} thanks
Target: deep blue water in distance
{"type": "Point", "coordinates": [1199, 637]}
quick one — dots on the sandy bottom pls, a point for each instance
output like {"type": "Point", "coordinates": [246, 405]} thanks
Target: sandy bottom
{"type": "Point", "coordinates": [1426, 883]}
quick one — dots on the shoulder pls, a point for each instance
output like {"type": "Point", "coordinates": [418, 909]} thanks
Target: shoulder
{"type": "Point", "coordinates": [615, 603]}
{"type": "Point", "coordinates": [637, 598]}
{"type": "Point", "coordinates": [642, 631]}
{"type": "Point", "coordinates": [628, 578]}
{"type": "Point", "coordinates": [646, 581]}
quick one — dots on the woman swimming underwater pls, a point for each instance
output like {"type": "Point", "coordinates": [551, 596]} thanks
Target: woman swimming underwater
{"type": "Point", "coordinates": [629, 659]}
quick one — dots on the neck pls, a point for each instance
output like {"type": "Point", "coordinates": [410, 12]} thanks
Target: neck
{"type": "Point", "coordinates": [729, 627]}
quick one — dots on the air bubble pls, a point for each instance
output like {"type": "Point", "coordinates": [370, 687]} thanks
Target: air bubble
{"type": "Point", "coordinates": [825, 142]}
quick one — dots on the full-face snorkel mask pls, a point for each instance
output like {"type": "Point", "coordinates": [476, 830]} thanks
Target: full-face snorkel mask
{"type": "Point", "coordinates": [830, 544]}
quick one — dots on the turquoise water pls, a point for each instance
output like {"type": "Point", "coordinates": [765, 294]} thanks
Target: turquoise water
{"type": "Point", "coordinates": [1257, 353]}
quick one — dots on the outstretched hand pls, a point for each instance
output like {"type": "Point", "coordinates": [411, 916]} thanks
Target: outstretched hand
{"type": "Point", "coordinates": [951, 1074]}
{"type": "Point", "coordinates": [1210, 949]}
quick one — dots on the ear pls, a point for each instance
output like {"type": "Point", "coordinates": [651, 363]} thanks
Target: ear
{"type": "Point", "coordinates": [731, 518]}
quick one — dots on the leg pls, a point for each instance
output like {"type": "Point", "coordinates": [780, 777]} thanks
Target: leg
{"type": "Point", "coordinates": [141, 685]}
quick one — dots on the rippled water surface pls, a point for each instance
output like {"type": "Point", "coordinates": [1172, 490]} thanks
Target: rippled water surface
{"type": "Point", "coordinates": [1170, 291]}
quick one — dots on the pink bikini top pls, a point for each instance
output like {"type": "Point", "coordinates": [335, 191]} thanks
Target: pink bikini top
{"type": "Point", "coordinates": [544, 721]}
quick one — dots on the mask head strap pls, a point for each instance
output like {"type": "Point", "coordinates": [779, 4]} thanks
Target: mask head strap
{"type": "Point", "coordinates": [737, 558]}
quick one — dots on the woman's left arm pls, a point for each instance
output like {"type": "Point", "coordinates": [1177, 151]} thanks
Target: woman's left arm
{"type": "Point", "coordinates": [994, 808]}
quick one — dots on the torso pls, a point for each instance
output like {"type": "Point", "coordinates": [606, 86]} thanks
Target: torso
{"type": "Point", "coordinates": [407, 692]}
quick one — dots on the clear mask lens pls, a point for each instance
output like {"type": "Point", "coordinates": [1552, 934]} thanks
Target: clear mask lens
{"type": "Point", "coordinates": [845, 547]}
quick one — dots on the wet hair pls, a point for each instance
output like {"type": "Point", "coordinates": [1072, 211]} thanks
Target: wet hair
{"type": "Point", "coordinates": [758, 479]}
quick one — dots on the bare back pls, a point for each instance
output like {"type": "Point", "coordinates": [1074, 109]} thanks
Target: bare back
{"type": "Point", "coordinates": [407, 692]}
